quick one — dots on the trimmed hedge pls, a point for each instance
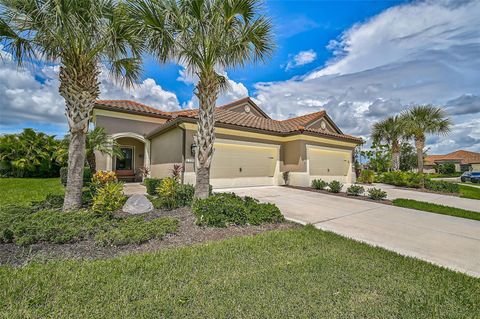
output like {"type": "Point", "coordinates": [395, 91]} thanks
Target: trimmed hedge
{"type": "Point", "coordinates": [223, 209]}
{"type": "Point", "coordinates": [87, 175]}
{"type": "Point", "coordinates": [367, 176]}
{"type": "Point", "coordinates": [442, 186]}
{"type": "Point", "coordinates": [414, 180]}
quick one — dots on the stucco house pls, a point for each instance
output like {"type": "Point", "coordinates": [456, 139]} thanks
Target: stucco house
{"type": "Point", "coordinates": [463, 161]}
{"type": "Point", "coordinates": [251, 149]}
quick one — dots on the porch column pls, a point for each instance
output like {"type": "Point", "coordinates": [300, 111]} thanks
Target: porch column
{"type": "Point", "coordinates": [109, 160]}
{"type": "Point", "coordinates": [146, 156]}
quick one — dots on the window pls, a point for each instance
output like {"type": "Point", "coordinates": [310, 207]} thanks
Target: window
{"type": "Point", "coordinates": [125, 163]}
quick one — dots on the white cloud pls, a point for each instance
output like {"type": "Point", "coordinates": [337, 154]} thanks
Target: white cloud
{"type": "Point", "coordinates": [422, 52]}
{"type": "Point", "coordinates": [234, 90]}
{"type": "Point", "coordinates": [30, 95]}
{"type": "Point", "coordinates": [301, 58]}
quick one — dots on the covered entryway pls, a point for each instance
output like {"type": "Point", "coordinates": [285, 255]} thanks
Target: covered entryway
{"type": "Point", "coordinates": [136, 156]}
{"type": "Point", "coordinates": [328, 163]}
{"type": "Point", "coordinates": [241, 164]}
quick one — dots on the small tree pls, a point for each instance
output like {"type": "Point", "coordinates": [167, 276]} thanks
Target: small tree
{"type": "Point", "coordinates": [390, 131]}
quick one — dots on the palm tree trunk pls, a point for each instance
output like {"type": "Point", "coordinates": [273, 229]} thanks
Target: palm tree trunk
{"type": "Point", "coordinates": [207, 93]}
{"type": "Point", "coordinates": [92, 162]}
{"type": "Point", "coordinates": [395, 156]}
{"type": "Point", "coordinates": [80, 88]}
{"type": "Point", "coordinates": [420, 144]}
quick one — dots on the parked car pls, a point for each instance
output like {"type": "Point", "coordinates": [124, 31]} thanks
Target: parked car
{"type": "Point", "coordinates": [473, 177]}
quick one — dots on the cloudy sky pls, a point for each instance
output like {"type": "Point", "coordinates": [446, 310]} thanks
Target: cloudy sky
{"type": "Point", "coordinates": [359, 60]}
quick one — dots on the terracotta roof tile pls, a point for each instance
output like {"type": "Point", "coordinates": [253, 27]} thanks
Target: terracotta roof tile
{"type": "Point", "coordinates": [132, 106]}
{"type": "Point", "coordinates": [225, 116]}
{"type": "Point", "coordinates": [465, 157]}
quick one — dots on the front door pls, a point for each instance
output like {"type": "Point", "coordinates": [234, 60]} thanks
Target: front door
{"type": "Point", "coordinates": [125, 165]}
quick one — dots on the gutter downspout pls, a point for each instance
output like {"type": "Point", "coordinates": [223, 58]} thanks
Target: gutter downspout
{"type": "Point", "coordinates": [184, 142]}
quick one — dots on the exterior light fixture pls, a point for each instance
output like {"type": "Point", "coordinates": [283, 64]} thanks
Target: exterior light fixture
{"type": "Point", "coordinates": [193, 149]}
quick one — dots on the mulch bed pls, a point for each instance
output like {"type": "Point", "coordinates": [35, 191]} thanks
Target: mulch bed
{"type": "Point", "coordinates": [341, 194]}
{"type": "Point", "coordinates": [188, 234]}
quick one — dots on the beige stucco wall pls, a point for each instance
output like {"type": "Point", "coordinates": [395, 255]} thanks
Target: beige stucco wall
{"type": "Point", "coordinates": [166, 150]}
{"type": "Point", "coordinates": [119, 125]}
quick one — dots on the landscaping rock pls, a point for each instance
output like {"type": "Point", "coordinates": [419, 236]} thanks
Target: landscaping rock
{"type": "Point", "coordinates": [137, 204]}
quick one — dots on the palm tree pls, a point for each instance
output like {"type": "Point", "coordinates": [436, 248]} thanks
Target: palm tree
{"type": "Point", "coordinates": [422, 120]}
{"type": "Point", "coordinates": [205, 36]}
{"type": "Point", "coordinates": [390, 130]}
{"type": "Point", "coordinates": [79, 35]}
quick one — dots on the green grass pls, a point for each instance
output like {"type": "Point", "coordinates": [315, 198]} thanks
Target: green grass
{"type": "Point", "coordinates": [296, 273]}
{"type": "Point", "coordinates": [22, 191]}
{"type": "Point", "coordinates": [435, 208]}
{"type": "Point", "coordinates": [469, 192]}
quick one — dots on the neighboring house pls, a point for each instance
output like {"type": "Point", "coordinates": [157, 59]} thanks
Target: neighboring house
{"type": "Point", "coordinates": [251, 149]}
{"type": "Point", "coordinates": [463, 160]}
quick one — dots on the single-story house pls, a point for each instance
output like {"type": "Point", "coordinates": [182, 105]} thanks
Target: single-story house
{"type": "Point", "coordinates": [463, 161]}
{"type": "Point", "coordinates": [251, 149]}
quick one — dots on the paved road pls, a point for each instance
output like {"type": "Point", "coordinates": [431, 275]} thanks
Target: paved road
{"type": "Point", "coordinates": [444, 240]}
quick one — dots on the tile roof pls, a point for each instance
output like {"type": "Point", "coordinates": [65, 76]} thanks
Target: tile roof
{"type": "Point", "coordinates": [225, 116]}
{"type": "Point", "coordinates": [130, 106]}
{"type": "Point", "coordinates": [465, 157]}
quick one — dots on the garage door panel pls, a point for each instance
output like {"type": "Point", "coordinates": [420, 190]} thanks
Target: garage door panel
{"type": "Point", "coordinates": [233, 161]}
{"type": "Point", "coordinates": [328, 163]}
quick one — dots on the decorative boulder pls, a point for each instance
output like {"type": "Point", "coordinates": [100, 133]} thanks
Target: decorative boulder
{"type": "Point", "coordinates": [137, 204]}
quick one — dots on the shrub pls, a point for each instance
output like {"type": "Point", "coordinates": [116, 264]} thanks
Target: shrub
{"type": "Point", "coordinates": [51, 201]}
{"type": "Point", "coordinates": [319, 184]}
{"type": "Point", "coordinates": [151, 184]}
{"type": "Point", "coordinates": [185, 194]}
{"type": "Point", "coordinates": [355, 190]}
{"type": "Point", "coordinates": [87, 175]}
{"type": "Point", "coordinates": [109, 198]}
{"type": "Point", "coordinates": [220, 210]}
{"type": "Point", "coordinates": [260, 213]}
{"type": "Point", "coordinates": [223, 209]}
{"type": "Point", "coordinates": [167, 192]}
{"type": "Point", "coordinates": [366, 176]}
{"type": "Point", "coordinates": [24, 226]}
{"type": "Point", "coordinates": [176, 172]}
{"type": "Point", "coordinates": [442, 186]}
{"type": "Point", "coordinates": [377, 194]}
{"type": "Point", "coordinates": [104, 177]}
{"type": "Point", "coordinates": [335, 187]}
{"type": "Point", "coordinates": [135, 230]}
{"type": "Point", "coordinates": [446, 168]}
{"type": "Point", "coordinates": [406, 179]}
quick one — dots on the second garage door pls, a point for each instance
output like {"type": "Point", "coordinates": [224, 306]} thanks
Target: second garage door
{"type": "Point", "coordinates": [241, 165]}
{"type": "Point", "coordinates": [328, 162]}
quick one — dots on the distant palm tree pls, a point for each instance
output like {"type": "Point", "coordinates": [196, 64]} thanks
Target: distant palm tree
{"type": "Point", "coordinates": [422, 120]}
{"type": "Point", "coordinates": [390, 130]}
{"type": "Point", "coordinates": [79, 35]}
{"type": "Point", "coordinates": [206, 36]}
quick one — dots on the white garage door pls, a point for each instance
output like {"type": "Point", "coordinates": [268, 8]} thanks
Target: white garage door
{"type": "Point", "coordinates": [241, 165]}
{"type": "Point", "coordinates": [326, 162]}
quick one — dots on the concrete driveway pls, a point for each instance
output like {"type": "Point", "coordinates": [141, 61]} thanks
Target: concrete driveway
{"type": "Point", "coordinates": [444, 240]}
{"type": "Point", "coordinates": [447, 200]}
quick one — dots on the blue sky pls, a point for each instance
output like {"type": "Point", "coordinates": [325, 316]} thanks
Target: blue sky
{"type": "Point", "coordinates": [359, 60]}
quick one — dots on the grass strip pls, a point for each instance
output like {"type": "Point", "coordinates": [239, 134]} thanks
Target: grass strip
{"type": "Point", "coordinates": [437, 209]}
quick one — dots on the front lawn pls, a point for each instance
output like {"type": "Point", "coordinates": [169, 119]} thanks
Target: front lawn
{"type": "Point", "coordinates": [435, 208]}
{"type": "Point", "coordinates": [469, 192]}
{"type": "Point", "coordinates": [292, 273]}
{"type": "Point", "coordinates": [22, 191]}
